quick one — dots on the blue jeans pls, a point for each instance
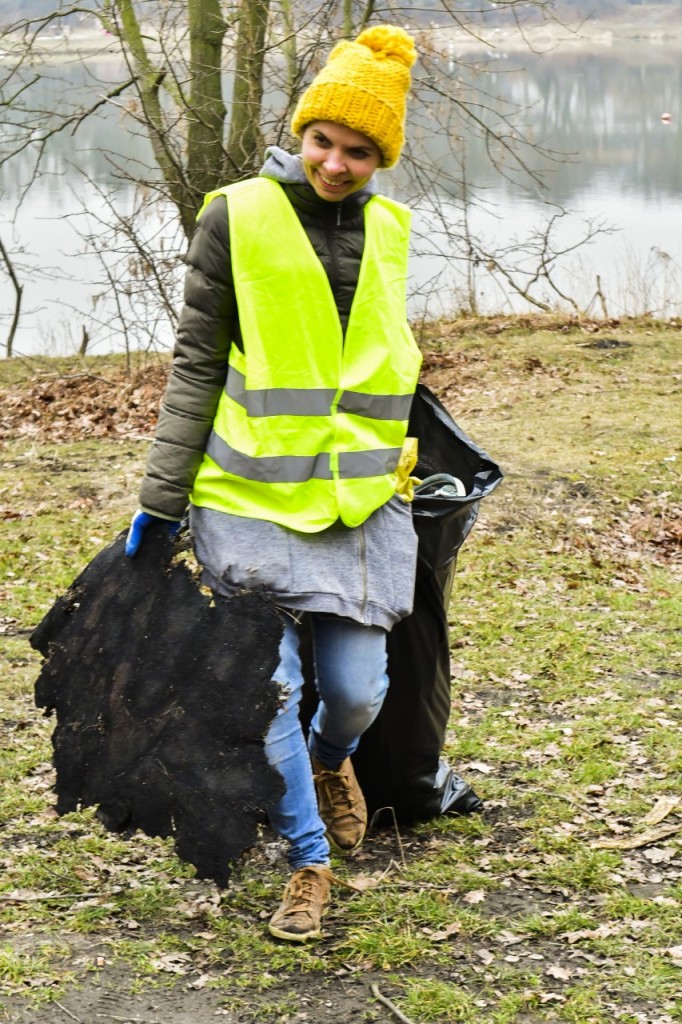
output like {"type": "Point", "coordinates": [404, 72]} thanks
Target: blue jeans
{"type": "Point", "coordinates": [350, 676]}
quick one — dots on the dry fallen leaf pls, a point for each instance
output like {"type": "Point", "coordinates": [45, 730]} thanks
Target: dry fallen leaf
{"type": "Point", "coordinates": [479, 766]}
{"type": "Point", "coordinates": [451, 929]}
{"type": "Point", "coordinates": [602, 932]}
{"type": "Point", "coordinates": [199, 982]}
{"type": "Point", "coordinates": [71, 408]}
{"type": "Point", "coordinates": [660, 854]}
{"type": "Point", "coordinates": [475, 896]}
{"type": "Point", "coordinates": [509, 938]}
{"type": "Point", "coordinates": [559, 972]}
{"type": "Point", "coordinates": [363, 882]}
{"type": "Point", "coordinates": [172, 963]}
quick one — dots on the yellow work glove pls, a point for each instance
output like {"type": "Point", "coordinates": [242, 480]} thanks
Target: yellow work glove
{"type": "Point", "coordinates": [404, 482]}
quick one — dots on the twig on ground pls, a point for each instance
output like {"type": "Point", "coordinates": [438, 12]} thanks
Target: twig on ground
{"type": "Point", "coordinates": [648, 838]}
{"type": "Point", "coordinates": [374, 989]}
{"type": "Point", "coordinates": [65, 1010]}
{"type": "Point", "coordinates": [386, 872]}
{"type": "Point", "coordinates": [391, 811]}
{"type": "Point", "coordinates": [129, 1020]}
{"type": "Point", "coordinates": [39, 897]}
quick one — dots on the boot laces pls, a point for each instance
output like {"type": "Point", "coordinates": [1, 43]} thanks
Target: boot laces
{"type": "Point", "coordinates": [337, 791]}
{"type": "Point", "coordinates": [303, 889]}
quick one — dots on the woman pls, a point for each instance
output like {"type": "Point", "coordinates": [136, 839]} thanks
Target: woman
{"type": "Point", "coordinates": [283, 425]}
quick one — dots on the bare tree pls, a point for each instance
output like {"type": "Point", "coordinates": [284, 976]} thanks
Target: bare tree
{"type": "Point", "coordinates": [206, 127]}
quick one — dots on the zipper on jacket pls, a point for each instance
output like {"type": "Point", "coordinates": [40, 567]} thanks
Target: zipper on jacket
{"type": "Point", "coordinates": [333, 255]}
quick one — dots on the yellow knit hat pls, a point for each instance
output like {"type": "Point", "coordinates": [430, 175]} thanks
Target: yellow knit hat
{"type": "Point", "coordinates": [364, 86]}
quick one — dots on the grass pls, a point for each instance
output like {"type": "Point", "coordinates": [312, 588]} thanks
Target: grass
{"type": "Point", "coordinates": [566, 719]}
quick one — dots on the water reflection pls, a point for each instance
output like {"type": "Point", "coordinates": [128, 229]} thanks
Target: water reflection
{"type": "Point", "coordinates": [601, 110]}
{"type": "Point", "coordinates": [95, 148]}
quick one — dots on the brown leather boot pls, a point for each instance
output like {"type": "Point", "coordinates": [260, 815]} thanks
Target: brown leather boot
{"type": "Point", "coordinates": [305, 900]}
{"type": "Point", "coordinates": [341, 803]}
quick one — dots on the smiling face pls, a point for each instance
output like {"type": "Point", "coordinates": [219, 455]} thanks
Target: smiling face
{"type": "Point", "coordinates": [337, 160]}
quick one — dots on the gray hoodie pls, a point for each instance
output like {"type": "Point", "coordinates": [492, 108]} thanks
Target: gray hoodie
{"type": "Point", "coordinates": [288, 169]}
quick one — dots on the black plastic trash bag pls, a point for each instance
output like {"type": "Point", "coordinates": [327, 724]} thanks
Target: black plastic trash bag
{"type": "Point", "coordinates": [398, 762]}
{"type": "Point", "coordinates": [162, 698]}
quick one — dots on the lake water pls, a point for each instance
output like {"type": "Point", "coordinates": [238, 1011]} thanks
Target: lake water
{"type": "Point", "coordinates": [601, 109]}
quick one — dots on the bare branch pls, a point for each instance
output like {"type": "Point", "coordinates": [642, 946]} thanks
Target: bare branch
{"type": "Point", "coordinates": [72, 121]}
{"type": "Point", "coordinates": [376, 992]}
{"type": "Point", "coordinates": [543, 250]}
{"type": "Point", "coordinates": [18, 294]}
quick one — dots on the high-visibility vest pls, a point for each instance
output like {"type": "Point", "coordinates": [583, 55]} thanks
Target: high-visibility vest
{"type": "Point", "coordinates": [310, 425]}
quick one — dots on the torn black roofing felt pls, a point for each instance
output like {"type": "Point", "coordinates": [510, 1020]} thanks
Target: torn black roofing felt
{"type": "Point", "coordinates": [162, 699]}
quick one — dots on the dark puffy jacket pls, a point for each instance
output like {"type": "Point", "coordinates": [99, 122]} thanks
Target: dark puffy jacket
{"type": "Point", "coordinates": [209, 325]}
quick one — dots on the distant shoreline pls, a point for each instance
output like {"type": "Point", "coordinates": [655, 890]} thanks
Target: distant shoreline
{"type": "Point", "coordinates": [588, 36]}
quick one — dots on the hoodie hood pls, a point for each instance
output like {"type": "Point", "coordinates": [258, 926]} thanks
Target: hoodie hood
{"type": "Point", "coordinates": [287, 168]}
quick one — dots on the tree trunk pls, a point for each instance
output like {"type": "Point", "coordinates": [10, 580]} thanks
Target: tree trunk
{"type": "Point", "coordinates": [148, 85]}
{"type": "Point", "coordinates": [245, 146]}
{"type": "Point", "coordinates": [205, 148]}
{"type": "Point", "coordinates": [347, 19]}
{"type": "Point", "coordinates": [289, 46]}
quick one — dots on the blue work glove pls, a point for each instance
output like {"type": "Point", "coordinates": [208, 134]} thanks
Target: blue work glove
{"type": "Point", "coordinates": [141, 520]}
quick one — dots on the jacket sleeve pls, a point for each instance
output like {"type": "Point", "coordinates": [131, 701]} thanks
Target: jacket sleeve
{"type": "Point", "coordinates": [206, 329]}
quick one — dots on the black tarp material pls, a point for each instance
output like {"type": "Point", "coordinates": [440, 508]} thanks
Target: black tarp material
{"type": "Point", "coordinates": [162, 698]}
{"type": "Point", "coordinates": [398, 762]}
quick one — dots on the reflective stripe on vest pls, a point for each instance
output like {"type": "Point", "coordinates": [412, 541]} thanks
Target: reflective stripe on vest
{"type": "Point", "coordinates": [291, 469]}
{"type": "Point", "coordinates": [313, 401]}
{"type": "Point", "coordinates": [310, 426]}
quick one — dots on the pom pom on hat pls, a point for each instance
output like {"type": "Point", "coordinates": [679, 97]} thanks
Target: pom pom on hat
{"type": "Point", "coordinates": [388, 41]}
{"type": "Point", "coordinates": [364, 86]}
